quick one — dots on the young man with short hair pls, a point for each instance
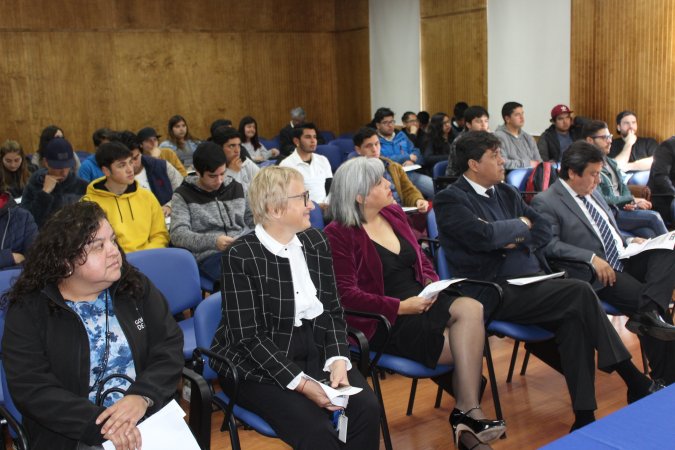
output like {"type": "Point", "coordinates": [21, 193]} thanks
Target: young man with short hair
{"type": "Point", "coordinates": [315, 168]}
{"type": "Point", "coordinates": [476, 118]}
{"type": "Point", "coordinates": [398, 148]}
{"type": "Point", "coordinates": [209, 210]}
{"type": "Point", "coordinates": [134, 213]}
{"type": "Point", "coordinates": [149, 142]}
{"type": "Point", "coordinates": [51, 188]}
{"type": "Point", "coordinates": [366, 143]}
{"type": "Point", "coordinates": [559, 136]}
{"type": "Point", "coordinates": [518, 148]}
{"type": "Point", "coordinates": [630, 151]}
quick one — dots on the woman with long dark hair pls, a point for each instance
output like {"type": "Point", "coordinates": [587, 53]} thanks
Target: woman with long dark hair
{"type": "Point", "coordinates": [180, 140]}
{"type": "Point", "coordinates": [248, 130]}
{"type": "Point", "coordinates": [81, 321]}
{"type": "Point", "coordinates": [437, 142]}
{"type": "Point", "coordinates": [15, 168]}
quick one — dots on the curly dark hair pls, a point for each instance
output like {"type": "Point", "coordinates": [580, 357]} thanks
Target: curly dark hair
{"type": "Point", "coordinates": [60, 245]}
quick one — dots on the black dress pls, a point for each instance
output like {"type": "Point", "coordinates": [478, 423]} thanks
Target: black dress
{"type": "Point", "coordinates": [415, 336]}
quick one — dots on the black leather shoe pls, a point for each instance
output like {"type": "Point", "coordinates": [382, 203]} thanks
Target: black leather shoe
{"type": "Point", "coordinates": [656, 385]}
{"type": "Point", "coordinates": [651, 324]}
{"type": "Point", "coordinates": [485, 430]}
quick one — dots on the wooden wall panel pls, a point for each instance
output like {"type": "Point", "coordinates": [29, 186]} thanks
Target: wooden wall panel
{"type": "Point", "coordinates": [128, 64]}
{"type": "Point", "coordinates": [623, 57]}
{"type": "Point", "coordinates": [453, 54]}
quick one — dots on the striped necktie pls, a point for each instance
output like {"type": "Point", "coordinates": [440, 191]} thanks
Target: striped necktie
{"type": "Point", "coordinates": [611, 251]}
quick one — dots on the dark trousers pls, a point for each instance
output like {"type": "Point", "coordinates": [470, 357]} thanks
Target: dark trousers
{"type": "Point", "coordinates": [297, 420]}
{"type": "Point", "coordinates": [211, 267]}
{"type": "Point", "coordinates": [647, 283]}
{"type": "Point", "coordinates": [571, 310]}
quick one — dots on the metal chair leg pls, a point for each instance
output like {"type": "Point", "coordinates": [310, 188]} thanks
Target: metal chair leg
{"type": "Point", "coordinates": [526, 361]}
{"type": "Point", "coordinates": [411, 398]}
{"type": "Point", "coordinates": [493, 380]}
{"type": "Point", "coordinates": [383, 415]}
{"type": "Point", "coordinates": [439, 395]}
{"type": "Point", "coordinates": [514, 356]}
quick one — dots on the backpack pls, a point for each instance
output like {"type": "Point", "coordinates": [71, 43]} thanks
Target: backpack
{"type": "Point", "coordinates": [543, 175]}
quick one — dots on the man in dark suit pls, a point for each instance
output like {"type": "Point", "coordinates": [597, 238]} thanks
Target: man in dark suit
{"type": "Point", "coordinates": [584, 229]}
{"type": "Point", "coordinates": [283, 323]}
{"type": "Point", "coordinates": [489, 233]}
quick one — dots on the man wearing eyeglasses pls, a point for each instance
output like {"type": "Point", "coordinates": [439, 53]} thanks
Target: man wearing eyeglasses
{"type": "Point", "coordinates": [398, 148]}
{"type": "Point", "coordinates": [630, 151]}
{"type": "Point", "coordinates": [632, 213]}
{"type": "Point", "coordinates": [209, 210]}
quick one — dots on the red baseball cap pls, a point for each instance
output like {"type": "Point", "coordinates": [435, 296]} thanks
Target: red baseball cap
{"type": "Point", "coordinates": [560, 109]}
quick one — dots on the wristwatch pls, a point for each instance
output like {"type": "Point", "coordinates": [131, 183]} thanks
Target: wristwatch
{"type": "Point", "coordinates": [148, 400]}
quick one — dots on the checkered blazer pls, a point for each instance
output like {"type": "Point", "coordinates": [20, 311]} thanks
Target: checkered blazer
{"type": "Point", "coordinates": [259, 309]}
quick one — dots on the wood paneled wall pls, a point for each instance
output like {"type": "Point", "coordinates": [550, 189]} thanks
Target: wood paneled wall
{"type": "Point", "coordinates": [623, 57]}
{"type": "Point", "coordinates": [453, 53]}
{"type": "Point", "coordinates": [127, 64]}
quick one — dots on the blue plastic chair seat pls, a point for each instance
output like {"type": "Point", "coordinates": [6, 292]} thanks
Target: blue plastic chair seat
{"type": "Point", "coordinates": [206, 284]}
{"type": "Point", "coordinates": [529, 333]}
{"type": "Point", "coordinates": [251, 419]}
{"type": "Point", "coordinates": [405, 366]}
{"type": "Point", "coordinates": [609, 309]}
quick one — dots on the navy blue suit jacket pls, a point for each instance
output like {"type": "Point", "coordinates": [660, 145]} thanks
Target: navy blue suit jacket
{"type": "Point", "coordinates": [474, 242]}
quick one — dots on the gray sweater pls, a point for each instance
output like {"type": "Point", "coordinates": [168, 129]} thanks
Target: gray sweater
{"type": "Point", "coordinates": [517, 151]}
{"type": "Point", "coordinates": [199, 217]}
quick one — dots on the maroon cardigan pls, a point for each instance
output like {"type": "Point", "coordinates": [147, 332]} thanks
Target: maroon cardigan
{"type": "Point", "coordinates": [358, 269]}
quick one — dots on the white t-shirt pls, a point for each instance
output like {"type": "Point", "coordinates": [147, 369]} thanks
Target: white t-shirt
{"type": "Point", "coordinates": [315, 172]}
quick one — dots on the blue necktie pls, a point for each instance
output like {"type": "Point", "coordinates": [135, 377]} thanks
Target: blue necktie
{"type": "Point", "coordinates": [611, 252]}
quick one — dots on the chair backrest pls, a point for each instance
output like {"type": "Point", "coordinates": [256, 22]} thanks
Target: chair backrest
{"type": "Point", "coordinates": [316, 217]}
{"type": "Point", "coordinates": [442, 266]}
{"type": "Point", "coordinates": [346, 146]}
{"type": "Point", "coordinates": [518, 177]}
{"type": "Point", "coordinates": [207, 318]}
{"type": "Point", "coordinates": [327, 135]}
{"type": "Point", "coordinates": [270, 143]}
{"type": "Point", "coordinates": [432, 226]}
{"type": "Point", "coordinates": [439, 169]}
{"type": "Point", "coordinates": [333, 153]}
{"type": "Point", "coordinates": [639, 178]}
{"type": "Point", "coordinates": [174, 272]}
{"type": "Point", "coordinates": [348, 135]}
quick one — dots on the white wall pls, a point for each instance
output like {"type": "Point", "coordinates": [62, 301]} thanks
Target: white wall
{"type": "Point", "coordinates": [528, 58]}
{"type": "Point", "coordinates": [395, 55]}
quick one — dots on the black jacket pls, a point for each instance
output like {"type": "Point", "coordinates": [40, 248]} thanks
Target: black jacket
{"type": "Point", "coordinates": [47, 361]}
{"type": "Point", "coordinates": [17, 231]}
{"type": "Point", "coordinates": [41, 204]}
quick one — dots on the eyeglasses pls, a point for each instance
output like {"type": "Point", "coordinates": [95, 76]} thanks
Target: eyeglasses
{"type": "Point", "coordinates": [388, 122]}
{"type": "Point", "coordinates": [304, 196]}
{"type": "Point", "coordinates": [607, 137]}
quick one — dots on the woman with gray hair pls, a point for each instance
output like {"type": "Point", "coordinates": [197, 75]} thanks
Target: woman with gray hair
{"type": "Point", "coordinates": [282, 323]}
{"type": "Point", "coordinates": [380, 268]}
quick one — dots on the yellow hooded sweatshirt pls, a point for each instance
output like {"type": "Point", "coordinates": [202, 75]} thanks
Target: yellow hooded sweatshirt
{"type": "Point", "coordinates": [135, 216]}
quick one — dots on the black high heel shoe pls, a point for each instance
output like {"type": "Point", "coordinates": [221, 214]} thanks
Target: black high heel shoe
{"type": "Point", "coordinates": [485, 430]}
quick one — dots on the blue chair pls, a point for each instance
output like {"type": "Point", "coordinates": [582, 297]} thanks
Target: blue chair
{"type": "Point", "coordinates": [518, 178]}
{"type": "Point", "coordinates": [175, 273]}
{"type": "Point", "coordinates": [83, 155]}
{"type": "Point", "coordinates": [346, 147]}
{"type": "Point", "coordinates": [269, 162]}
{"type": "Point", "coordinates": [439, 169]}
{"type": "Point", "coordinates": [207, 318]}
{"type": "Point", "coordinates": [517, 332]}
{"type": "Point", "coordinates": [270, 143]}
{"type": "Point", "coordinates": [316, 217]}
{"type": "Point", "coordinates": [639, 178]}
{"type": "Point", "coordinates": [327, 136]}
{"type": "Point", "coordinates": [348, 135]}
{"type": "Point", "coordinates": [397, 364]}
{"type": "Point", "coordinates": [333, 153]}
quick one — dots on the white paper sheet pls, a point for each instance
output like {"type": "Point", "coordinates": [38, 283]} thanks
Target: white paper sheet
{"type": "Point", "coordinates": [531, 280]}
{"type": "Point", "coordinates": [165, 430]}
{"type": "Point", "coordinates": [412, 167]}
{"type": "Point", "coordinates": [437, 286]}
{"type": "Point", "coordinates": [665, 241]}
{"type": "Point", "coordinates": [340, 395]}
{"type": "Point", "coordinates": [409, 209]}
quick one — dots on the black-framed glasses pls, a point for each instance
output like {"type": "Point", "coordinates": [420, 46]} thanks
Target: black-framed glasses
{"type": "Point", "coordinates": [607, 137]}
{"type": "Point", "coordinates": [304, 196]}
